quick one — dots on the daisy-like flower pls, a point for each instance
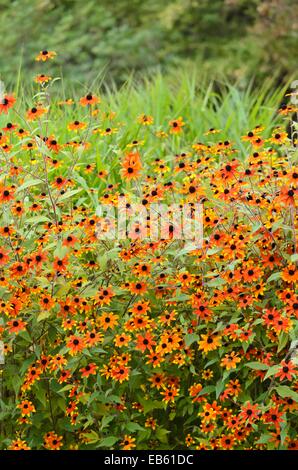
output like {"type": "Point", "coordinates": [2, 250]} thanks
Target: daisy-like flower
{"type": "Point", "coordinates": [287, 370]}
{"type": "Point", "coordinates": [35, 113]}
{"type": "Point", "coordinates": [45, 55]}
{"type": "Point", "coordinates": [89, 369]}
{"type": "Point", "coordinates": [26, 407]}
{"type": "Point", "coordinates": [176, 125]}
{"type": "Point", "coordinates": [128, 442]}
{"type": "Point", "coordinates": [6, 103]}
{"type": "Point", "coordinates": [89, 100]}
{"type": "Point", "coordinates": [41, 79]}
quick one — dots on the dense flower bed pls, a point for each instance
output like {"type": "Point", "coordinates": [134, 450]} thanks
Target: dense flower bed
{"type": "Point", "coordinates": [137, 343]}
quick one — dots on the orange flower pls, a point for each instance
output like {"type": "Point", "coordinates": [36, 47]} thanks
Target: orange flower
{"type": "Point", "coordinates": [230, 361]}
{"type": "Point", "coordinates": [169, 394]}
{"type": "Point", "coordinates": [108, 320]}
{"type": "Point", "coordinates": [18, 269]}
{"type": "Point", "coordinates": [104, 296]}
{"type": "Point", "coordinates": [75, 344]}
{"type": "Point", "coordinates": [35, 113]}
{"type": "Point", "coordinates": [145, 119]}
{"type": "Point", "coordinates": [287, 370]}
{"type": "Point", "coordinates": [53, 441]}
{"type": "Point", "coordinates": [70, 240]}
{"type": "Point", "coordinates": [16, 325]}
{"type": "Point", "coordinates": [122, 339]}
{"type": "Point", "coordinates": [145, 342]}
{"type": "Point", "coordinates": [3, 257]}
{"type": "Point", "coordinates": [128, 442]}
{"type": "Point", "coordinates": [26, 407]}
{"type": "Point", "coordinates": [89, 100]}
{"type": "Point", "coordinates": [290, 273]}
{"type": "Point", "coordinates": [19, 444]}
{"type": "Point", "coordinates": [6, 194]}
{"type": "Point", "coordinates": [176, 125]}
{"type": "Point", "coordinates": [45, 55]}
{"type": "Point", "coordinates": [138, 288]}
{"type": "Point", "coordinates": [209, 342]}
{"type": "Point", "coordinates": [89, 369]}
{"type": "Point", "coordinates": [60, 265]}
{"type": "Point", "coordinates": [76, 125]}
{"type": "Point", "coordinates": [6, 103]}
{"type": "Point", "coordinates": [131, 166]}
{"type": "Point", "coordinates": [42, 79]}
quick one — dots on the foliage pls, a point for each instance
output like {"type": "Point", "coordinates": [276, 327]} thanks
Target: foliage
{"type": "Point", "coordinates": [137, 343]}
{"type": "Point", "coordinates": [241, 38]}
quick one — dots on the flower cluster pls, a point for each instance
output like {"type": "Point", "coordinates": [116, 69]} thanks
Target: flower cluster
{"type": "Point", "coordinates": [141, 343]}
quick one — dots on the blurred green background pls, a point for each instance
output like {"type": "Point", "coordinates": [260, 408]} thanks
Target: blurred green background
{"type": "Point", "coordinates": [239, 39]}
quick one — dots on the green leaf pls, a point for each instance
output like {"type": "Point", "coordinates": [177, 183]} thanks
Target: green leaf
{"type": "Point", "coordinates": [286, 392]}
{"type": "Point", "coordinates": [68, 194]}
{"type": "Point", "coordinates": [161, 435]}
{"type": "Point", "coordinates": [132, 427]}
{"type": "Point", "coordinates": [108, 441]}
{"type": "Point", "coordinates": [273, 277]}
{"type": "Point", "coordinates": [92, 437]}
{"type": "Point", "coordinates": [43, 315]}
{"type": "Point", "coordinates": [220, 385]}
{"type": "Point", "coordinates": [28, 184]}
{"type": "Point", "coordinates": [206, 390]}
{"type": "Point", "coordinates": [256, 366]}
{"type": "Point", "coordinates": [190, 338]}
{"type": "Point", "coordinates": [294, 258]}
{"type": "Point", "coordinates": [283, 339]}
{"type": "Point", "coordinates": [272, 371]}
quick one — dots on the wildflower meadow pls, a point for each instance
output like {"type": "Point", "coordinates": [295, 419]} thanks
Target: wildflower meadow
{"type": "Point", "coordinates": [157, 337]}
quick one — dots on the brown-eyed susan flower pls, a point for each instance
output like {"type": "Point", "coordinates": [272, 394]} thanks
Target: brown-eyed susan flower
{"type": "Point", "coordinates": [35, 113]}
{"type": "Point", "coordinates": [176, 126]}
{"type": "Point", "coordinates": [169, 394]}
{"type": "Point", "coordinates": [60, 264]}
{"type": "Point", "coordinates": [6, 103]}
{"type": "Point", "coordinates": [145, 119]}
{"type": "Point", "coordinates": [26, 407]}
{"type": "Point", "coordinates": [107, 131]}
{"type": "Point", "coordinates": [278, 137]}
{"type": "Point", "coordinates": [16, 325]}
{"type": "Point", "coordinates": [42, 79]}
{"type": "Point", "coordinates": [131, 166]}
{"type": "Point", "coordinates": [9, 127]}
{"type": "Point", "coordinates": [4, 256]}
{"type": "Point", "coordinates": [108, 320]}
{"type": "Point", "coordinates": [122, 339]}
{"type": "Point", "coordinates": [19, 444]}
{"type": "Point", "coordinates": [75, 344]}
{"type": "Point", "coordinates": [18, 269]}
{"type": "Point", "coordinates": [290, 273]}
{"type": "Point", "coordinates": [89, 99]}
{"type": "Point", "coordinates": [230, 360]}
{"type": "Point", "coordinates": [76, 126]}
{"type": "Point", "coordinates": [53, 441]}
{"type": "Point", "coordinates": [128, 442]}
{"type": "Point", "coordinates": [45, 55]}
{"type": "Point", "coordinates": [209, 342]}
{"type": "Point", "coordinates": [89, 369]}
{"type": "Point", "coordinates": [287, 195]}
{"type": "Point", "coordinates": [6, 194]}
{"type": "Point", "coordinates": [287, 370]}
